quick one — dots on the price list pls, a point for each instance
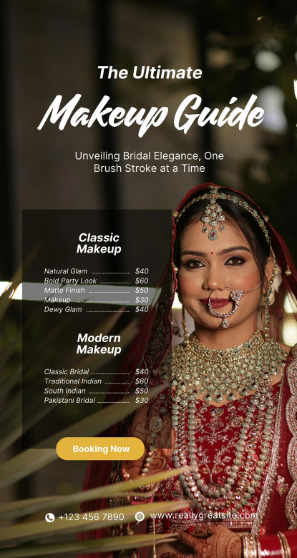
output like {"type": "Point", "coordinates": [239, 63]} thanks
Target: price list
{"type": "Point", "coordinates": [86, 289]}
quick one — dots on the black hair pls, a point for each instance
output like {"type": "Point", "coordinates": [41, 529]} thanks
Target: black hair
{"type": "Point", "coordinates": [245, 221]}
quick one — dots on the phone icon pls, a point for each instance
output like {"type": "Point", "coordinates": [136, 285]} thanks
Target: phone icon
{"type": "Point", "coordinates": [50, 517]}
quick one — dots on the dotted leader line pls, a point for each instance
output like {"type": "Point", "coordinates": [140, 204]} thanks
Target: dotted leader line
{"type": "Point", "coordinates": [105, 311]}
{"type": "Point", "coordinates": [119, 402]}
{"type": "Point", "coordinates": [114, 301]}
{"type": "Point", "coordinates": [109, 292]}
{"type": "Point", "coordinates": [110, 272]}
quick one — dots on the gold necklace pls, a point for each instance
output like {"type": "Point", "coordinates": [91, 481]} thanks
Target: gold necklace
{"type": "Point", "coordinates": [197, 370]}
{"type": "Point", "coordinates": [189, 364]}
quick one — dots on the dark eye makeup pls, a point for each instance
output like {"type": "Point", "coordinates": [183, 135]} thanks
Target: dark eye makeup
{"type": "Point", "coordinates": [235, 260]}
{"type": "Point", "coordinates": [231, 261]}
{"type": "Point", "coordinates": [194, 264]}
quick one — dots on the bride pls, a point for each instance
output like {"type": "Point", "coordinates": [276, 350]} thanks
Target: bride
{"type": "Point", "coordinates": [230, 410]}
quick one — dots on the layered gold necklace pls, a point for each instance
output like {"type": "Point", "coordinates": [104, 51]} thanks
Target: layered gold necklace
{"type": "Point", "coordinates": [197, 370]}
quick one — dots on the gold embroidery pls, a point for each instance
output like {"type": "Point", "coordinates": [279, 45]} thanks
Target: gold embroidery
{"type": "Point", "coordinates": [281, 486]}
{"type": "Point", "coordinates": [291, 415]}
{"type": "Point", "coordinates": [217, 431]}
{"type": "Point", "coordinates": [291, 411]}
{"type": "Point", "coordinates": [272, 471]}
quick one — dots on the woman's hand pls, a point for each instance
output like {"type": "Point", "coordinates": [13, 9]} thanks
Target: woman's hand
{"type": "Point", "coordinates": [164, 442]}
{"type": "Point", "coordinates": [209, 542]}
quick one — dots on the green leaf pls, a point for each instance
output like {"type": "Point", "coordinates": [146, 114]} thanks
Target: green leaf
{"type": "Point", "coordinates": [108, 544]}
{"type": "Point", "coordinates": [24, 464]}
{"type": "Point", "coordinates": [33, 459]}
{"type": "Point", "coordinates": [11, 380]}
{"type": "Point", "coordinates": [33, 530]}
{"type": "Point", "coordinates": [10, 411]}
{"type": "Point", "coordinates": [12, 434]}
{"type": "Point", "coordinates": [102, 420]}
{"type": "Point", "coordinates": [13, 510]}
{"type": "Point", "coordinates": [5, 299]}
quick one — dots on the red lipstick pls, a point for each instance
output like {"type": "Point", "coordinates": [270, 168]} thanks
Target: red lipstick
{"type": "Point", "coordinates": [216, 302]}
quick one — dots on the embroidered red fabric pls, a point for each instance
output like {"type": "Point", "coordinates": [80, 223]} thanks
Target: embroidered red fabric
{"type": "Point", "coordinates": [217, 432]}
{"type": "Point", "coordinates": [149, 348]}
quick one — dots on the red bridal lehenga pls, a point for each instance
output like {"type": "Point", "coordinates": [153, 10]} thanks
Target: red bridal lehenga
{"type": "Point", "coordinates": [243, 453]}
{"type": "Point", "coordinates": [216, 435]}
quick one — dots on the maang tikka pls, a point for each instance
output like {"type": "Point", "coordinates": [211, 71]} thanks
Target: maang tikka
{"type": "Point", "coordinates": [213, 215]}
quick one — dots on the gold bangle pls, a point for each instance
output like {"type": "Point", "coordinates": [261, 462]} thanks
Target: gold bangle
{"type": "Point", "coordinates": [284, 544]}
{"type": "Point", "coordinates": [249, 546]}
{"type": "Point", "coordinates": [281, 545]}
{"type": "Point", "coordinates": [255, 549]}
{"type": "Point", "coordinates": [258, 547]}
{"type": "Point", "coordinates": [245, 546]}
{"type": "Point", "coordinates": [252, 546]}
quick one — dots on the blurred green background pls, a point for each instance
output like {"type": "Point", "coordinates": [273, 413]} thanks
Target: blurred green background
{"type": "Point", "coordinates": [54, 47]}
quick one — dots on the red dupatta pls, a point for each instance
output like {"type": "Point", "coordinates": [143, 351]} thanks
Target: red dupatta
{"type": "Point", "coordinates": [155, 335]}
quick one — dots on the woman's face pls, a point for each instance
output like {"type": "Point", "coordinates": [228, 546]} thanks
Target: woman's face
{"type": "Point", "coordinates": [209, 267]}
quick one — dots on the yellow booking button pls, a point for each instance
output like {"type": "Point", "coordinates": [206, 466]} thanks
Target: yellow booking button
{"type": "Point", "coordinates": [80, 449]}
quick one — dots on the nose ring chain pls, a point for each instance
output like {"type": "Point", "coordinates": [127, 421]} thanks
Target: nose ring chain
{"type": "Point", "coordinates": [235, 296]}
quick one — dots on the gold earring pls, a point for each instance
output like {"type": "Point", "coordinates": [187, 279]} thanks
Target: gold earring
{"type": "Point", "coordinates": [266, 315]}
{"type": "Point", "coordinates": [266, 304]}
{"type": "Point", "coordinates": [184, 324]}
